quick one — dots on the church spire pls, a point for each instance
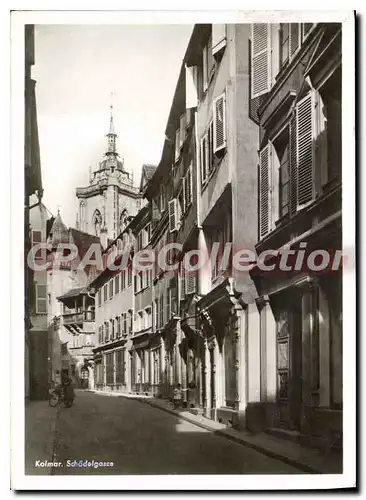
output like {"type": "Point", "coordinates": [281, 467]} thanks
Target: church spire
{"type": "Point", "coordinates": [112, 136]}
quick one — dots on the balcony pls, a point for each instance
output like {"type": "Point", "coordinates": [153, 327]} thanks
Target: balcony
{"type": "Point", "coordinates": [78, 322]}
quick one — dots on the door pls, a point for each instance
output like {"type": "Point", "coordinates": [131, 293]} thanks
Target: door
{"type": "Point", "coordinates": [289, 346]}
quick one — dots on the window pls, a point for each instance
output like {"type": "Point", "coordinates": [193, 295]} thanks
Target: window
{"type": "Point", "coordinates": [182, 295]}
{"type": "Point", "coordinates": [204, 163]}
{"type": "Point", "coordinates": [110, 288]}
{"type": "Point", "coordinates": [109, 368]}
{"type": "Point", "coordinates": [148, 316]}
{"type": "Point", "coordinates": [105, 292]}
{"type": "Point", "coordinates": [172, 302]}
{"type": "Point", "coordinates": [161, 311]}
{"type": "Point", "coordinates": [219, 123]}
{"type": "Point", "coordinates": [102, 333]}
{"type": "Point", "coordinates": [287, 167]}
{"type": "Point", "coordinates": [106, 331]}
{"type": "Point", "coordinates": [141, 320]}
{"type": "Point", "coordinates": [116, 284]}
{"type": "Point", "coordinates": [148, 278]}
{"type": "Point", "coordinates": [120, 366]}
{"type": "Point", "coordinates": [282, 147]}
{"type": "Point", "coordinates": [99, 335]}
{"type": "Point", "coordinates": [41, 299]}
{"type": "Point", "coordinates": [36, 237]}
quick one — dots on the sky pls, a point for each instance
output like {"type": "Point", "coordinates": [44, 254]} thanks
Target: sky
{"type": "Point", "coordinates": [76, 70]}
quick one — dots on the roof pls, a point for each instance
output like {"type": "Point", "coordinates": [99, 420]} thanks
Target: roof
{"type": "Point", "coordinates": [74, 292]}
{"type": "Point", "coordinates": [146, 175]}
{"type": "Point", "coordinates": [59, 232]}
{"type": "Point", "coordinates": [83, 240]}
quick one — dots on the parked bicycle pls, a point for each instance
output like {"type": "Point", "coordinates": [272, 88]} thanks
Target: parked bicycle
{"type": "Point", "coordinates": [57, 397]}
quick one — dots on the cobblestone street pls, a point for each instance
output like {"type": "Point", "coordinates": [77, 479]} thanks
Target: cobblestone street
{"type": "Point", "coordinates": [139, 439]}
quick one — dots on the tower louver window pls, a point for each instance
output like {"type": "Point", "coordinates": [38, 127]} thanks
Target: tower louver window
{"type": "Point", "coordinates": [219, 123]}
{"type": "Point", "coordinates": [261, 62]}
{"type": "Point", "coordinates": [305, 150]}
{"type": "Point", "coordinates": [265, 191]}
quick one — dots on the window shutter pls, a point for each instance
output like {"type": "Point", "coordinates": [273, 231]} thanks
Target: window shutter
{"type": "Point", "coordinates": [209, 149]}
{"type": "Point", "coordinates": [219, 123]}
{"type": "Point", "coordinates": [182, 129]}
{"type": "Point", "coordinates": [205, 68]}
{"type": "Point", "coordinates": [191, 90]}
{"type": "Point", "coordinates": [177, 144]}
{"type": "Point", "coordinates": [204, 166]}
{"type": "Point", "coordinates": [293, 165]}
{"type": "Point", "coordinates": [264, 191]}
{"type": "Point", "coordinates": [184, 190]}
{"type": "Point", "coordinates": [173, 215]}
{"type": "Point", "coordinates": [190, 182]}
{"type": "Point", "coordinates": [190, 283]}
{"type": "Point", "coordinates": [218, 37]}
{"type": "Point", "coordinates": [261, 59]}
{"type": "Point", "coordinates": [182, 294]}
{"type": "Point", "coordinates": [294, 38]}
{"type": "Point", "coordinates": [305, 151]}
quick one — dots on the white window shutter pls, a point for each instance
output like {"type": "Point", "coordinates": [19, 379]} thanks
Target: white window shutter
{"type": "Point", "coordinates": [261, 59]}
{"type": "Point", "coordinates": [218, 37]}
{"type": "Point", "coordinates": [173, 220]}
{"type": "Point", "coordinates": [294, 38]}
{"type": "Point", "coordinates": [264, 191]}
{"type": "Point", "coordinates": [219, 121]}
{"type": "Point", "coordinates": [305, 150]}
{"type": "Point", "coordinates": [191, 89]}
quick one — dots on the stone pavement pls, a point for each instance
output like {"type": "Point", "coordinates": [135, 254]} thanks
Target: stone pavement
{"type": "Point", "coordinates": [308, 459]}
{"type": "Point", "coordinates": [40, 429]}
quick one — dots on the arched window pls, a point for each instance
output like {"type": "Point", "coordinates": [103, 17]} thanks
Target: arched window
{"type": "Point", "coordinates": [97, 222]}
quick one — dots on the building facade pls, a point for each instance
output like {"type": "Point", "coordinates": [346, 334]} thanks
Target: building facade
{"type": "Point", "coordinates": [35, 225]}
{"type": "Point", "coordinates": [296, 100]}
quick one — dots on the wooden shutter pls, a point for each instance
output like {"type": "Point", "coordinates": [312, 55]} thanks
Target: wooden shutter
{"type": "Point", "coordinates": [182, 129]}
{"type": "Point", "coordinates": [294, 38]}
{"type": "Point", "coordinates": [190, 283]}
{"type": "Point", "coordinates": [305, 151]}
{"type": "Point", "coordinates": [261, 62]}
{"type": "Point", "coordinates": [218, 37]}
{"type": "Point", "coordinates": [293, 165]}
{"type": "Point", "coordinates": [173, 219]}
{"type": "Point", "coordinates": [204, 166]}
{"type": "Point", "coordinates": [182, 294]}
{"type": "Point", "coordinates": [264, 191]}
{"type": "Point", "coordinates": [219, 123]}
{"type": "Point", "coordinates": [177, 144]}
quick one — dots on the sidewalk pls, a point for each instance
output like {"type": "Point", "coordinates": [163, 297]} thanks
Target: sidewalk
{"type": "Point", "coordinates": [307, 459]}
{"type": "Point", "coordinates": [40, 429]}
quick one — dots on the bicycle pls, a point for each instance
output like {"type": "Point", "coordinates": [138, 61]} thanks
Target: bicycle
{"type": "Point", "coordinates": [57, 397]}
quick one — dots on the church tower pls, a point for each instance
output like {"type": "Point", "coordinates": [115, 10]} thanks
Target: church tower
{"type": "Point", "coordinates": [111, 199]}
